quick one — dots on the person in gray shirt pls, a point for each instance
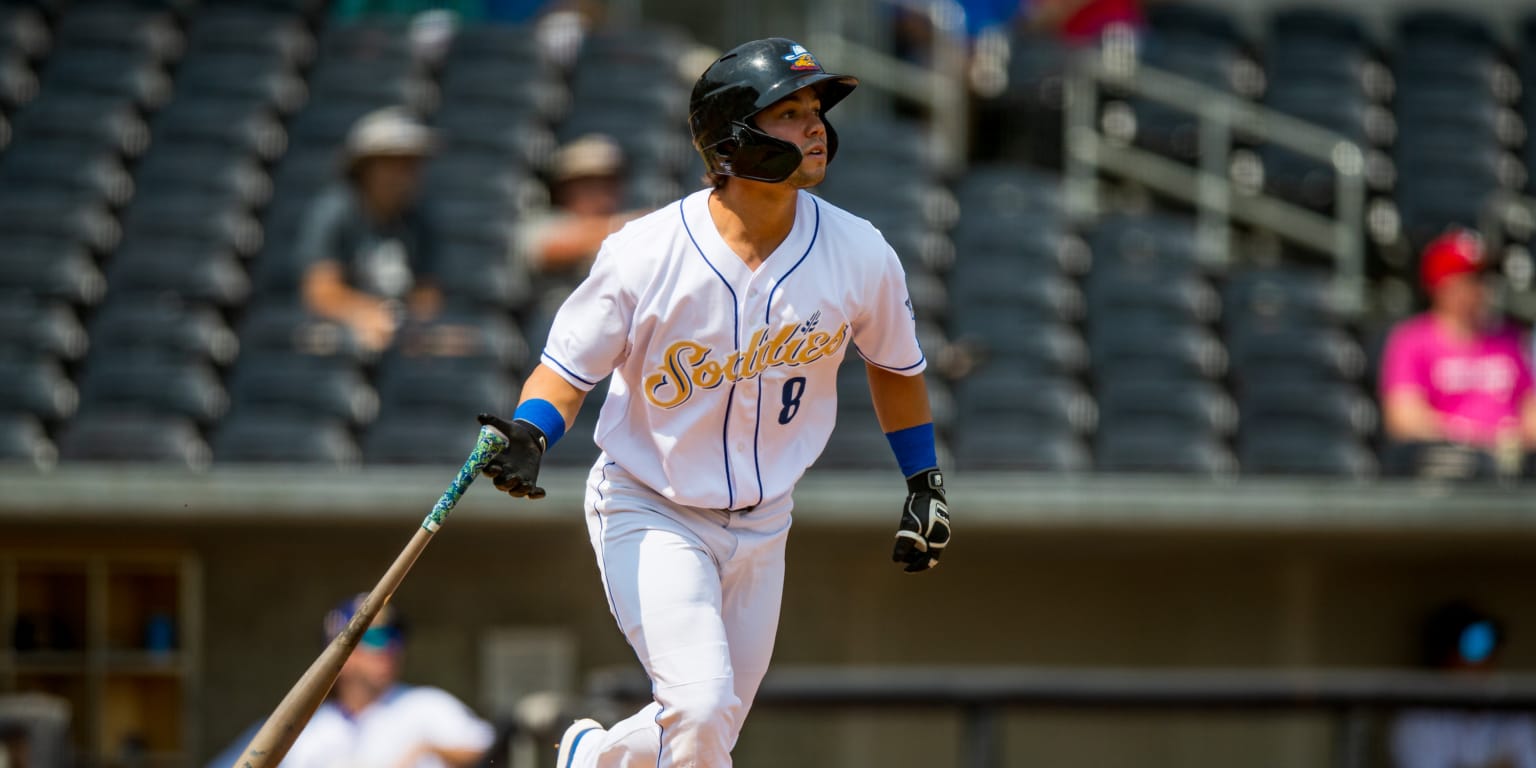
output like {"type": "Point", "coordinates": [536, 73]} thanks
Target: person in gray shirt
{"type": "Point", "coordinates": [366, 249]}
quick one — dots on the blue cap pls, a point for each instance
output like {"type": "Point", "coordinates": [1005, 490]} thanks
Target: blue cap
{"type": "Point", "coordinates": [386, 632]}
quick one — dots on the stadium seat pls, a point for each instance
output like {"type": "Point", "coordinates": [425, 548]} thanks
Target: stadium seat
{"type": "Point", "coordinates": [153, 383]}
{"type": "Point", "coordinates": [113, 434]}
{"type": "Point", "coordinates": [164, 323]}
{"type": "Point", "coordinates": [244, 126]}
{"type": "Point", "coordinates": [380, 81]}
{"type": "Point", "coordinates": [1021, 242]}
{"type": "Point", "coordinates": [108, 73]}
{"type": "Point", "coordinates": [857, 443]}
{"type": "Point", "coordinates": [323, 123]}
{"type": "Point", "coordinates": [1278, 295]}
{"type": "Point", "coordinates": [194, 269]}
{"type": "Point", "coordinates": [417, 438]}
{"type": "Point", "coordinates": [1199, 406]}
{"type": "Point", "coordinates": [1263, 350]}
{"type": "Point", "coordinates": [1295, 399]}
{"type": "Point", "coordinates": [486, 178]}
{"type": "Point", "coordinates": [286, 327]}
{"type": "Point", "coordinates": [483, 275]}
{"type": "Point", "coordinates": [37, 386]}
{"type": "Point", "coordinates": [303, 385]}
{"type": "Point", "coordinates": [105, 25]}
{"type": "Point", "coordinates": [247, 31]}
{"type": "Point", "coordinates": [464, 337]}
{"type": "Point", "coordinates": [51, 268]}
{"type": "Point", "coordinates": [1146, 345]}
{"type": "Point", "coordinates": [1000, 395]}
{"type": "Point", "coordinates": [1176, 295]}
{"type": "Point", "coordinates": [223, 173]}
{"type": "Point", "coordinates": [242, 78]}
{"type": "Point", "coordinates": [506, 90]}
{"type": "Point", "coordinates": [24, 31]}
{"type": "Point", "coordinates": [1145, 239]}
{"type": "Point", "coordinates": [24, 441]}
{"type": "Point", "coordinates": [1002, 333]}
{"type": "Point", "coordinates": [1021, 447]}
{"type": "Point", "coordinates": [42, 327]}
{"type": "Point", "coordinates": [1152, 446]}
{"type": "Point", "coordinates": [183, 215]}
{"type": "Point", "coordinates": [280, 438]}
{"type": "Point", "coordinates": [68, 167]}
{"type": "Point", "coordinates": [445, 387]}
{"type": "Point", "coordinates": [1303, 450]}
{"type": "Point", "coordinates": [86, 118]}
{"type": "Point", "coordinates": [1047, 297]}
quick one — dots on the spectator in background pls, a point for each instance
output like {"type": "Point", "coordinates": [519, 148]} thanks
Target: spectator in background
{"type": "Point", "coordinates": [1455, 374]}
{"type": "Point", "coordinates": [587, 189]}
{"type": "Point", "coordinates": [1459, 639]}
{"type": "Point", "coordinates": [1084, 22]}
{"type": "Point", "coordinates": [367, 246]}
{"type": "Point", "coordinates": [371, 720]}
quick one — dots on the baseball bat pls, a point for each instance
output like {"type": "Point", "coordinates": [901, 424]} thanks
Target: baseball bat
{"type": "Point", "coordinates": [278, 733]}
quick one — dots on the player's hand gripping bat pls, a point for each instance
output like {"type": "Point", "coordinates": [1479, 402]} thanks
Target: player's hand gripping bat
{"type": "Point", "coordinates": [272, 742]}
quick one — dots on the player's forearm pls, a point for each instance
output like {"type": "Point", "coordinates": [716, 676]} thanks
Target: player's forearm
{"type": "Point", "coordinates": [900, 401]}
{"type": "Point", "coordinates": [545, 384]}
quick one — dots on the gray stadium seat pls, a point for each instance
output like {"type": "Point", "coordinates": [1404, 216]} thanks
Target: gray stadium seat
{"type": "Point", "coordinates": [286, 327]}
{"type": "Point", "coordinates": [107, 73]}
{"type": "Point", "coordinates": [152, 383]}
{"type": "Point", "coordinates": [224, 173]}
{"type": "Point", "coordinates": [483, 275]}
{"type": "Point", "coordinates": [197, 270]}
{"type": "Point", "coordinates": [997, 395]}
{"type": "Point", "coordinates": [246, 31]}
{"type": "Point", "coordinates": [1021, 447]}
{"type": "Point", "coordinates": [37, 386]}
{"type": "Point", "coordinates": [87, 118]}
{"type": "Point", "coordinates": [245, 126]}
{"type": "Point", "coordinates": [1198, 405]}
{"type": "Point", "coordinates": [144, 31]}
{"type": "Point", "coordinates": [1304, 450]}
{"type": "Point", "coordinates": [164, 323]}
{"type": "Point", "coordinates": [42, 327]}
{"type": "Point", "coordinates": [125, 436]}
{"type": "Point", "coordinates": [303, 385]}
{"type": "Point", "coordinates": [1143, 345]}
{"type": "Point", "coordinates": [278, 438]}
{"type": "Point", "coordinates": [414, 438]}
{"type": "Point", "coordinates": [439, 387]}
{"type": "Point", "coordinates": [1178, 295]}
{"type": "Point", "coordinates": [1157, 447]}
{"type": "Point", "coordinates": [1047, 297]}
{"type": "Point", "coordinates": [49, 267]}
{"type": "Point", "coordinates": [1005, 334]}
{"type": "Point", "coordinates": [177, 214]}
{"type": "Point", "coordinates": [242, 78]}
{"type": "Point", "coordinates": [1278, 401]}
{"type": "Point", "coordinates": [69, 168]}
{"type": "Point", "coordinates": [24, 441]}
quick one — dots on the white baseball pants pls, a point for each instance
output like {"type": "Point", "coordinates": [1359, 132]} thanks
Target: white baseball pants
{"type": "Point", "coordinates": [696, 592]}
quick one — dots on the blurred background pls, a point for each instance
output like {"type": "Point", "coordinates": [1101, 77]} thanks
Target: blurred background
{"type": "Point", "coordinates": [1228, 305]}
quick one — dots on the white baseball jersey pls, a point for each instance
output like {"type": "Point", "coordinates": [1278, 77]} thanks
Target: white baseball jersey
{"type": "Point", "coordinates": [725, 378]}
{"type": "Point", "coordinates": [382, 734]}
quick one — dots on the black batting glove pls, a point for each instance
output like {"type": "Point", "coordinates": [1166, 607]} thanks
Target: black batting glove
{"type": "Point", "coordinates": [516, 469]}
{"type": "Point", "coordinates": [924, 530]}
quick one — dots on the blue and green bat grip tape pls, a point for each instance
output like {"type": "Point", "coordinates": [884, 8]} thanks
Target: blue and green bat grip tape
{"type": "Point", "coordinates": [490, 443]}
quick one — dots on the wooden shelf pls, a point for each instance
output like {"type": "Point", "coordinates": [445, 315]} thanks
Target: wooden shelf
{"type": "Point", "coordinates": [117, 635]}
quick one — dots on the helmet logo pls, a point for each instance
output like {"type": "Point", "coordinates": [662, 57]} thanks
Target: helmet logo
{"type": "Point", "coordinates": [801, 60]}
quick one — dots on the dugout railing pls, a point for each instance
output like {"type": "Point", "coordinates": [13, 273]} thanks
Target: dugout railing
{"type": "Point", "coordinates": [983, 694]}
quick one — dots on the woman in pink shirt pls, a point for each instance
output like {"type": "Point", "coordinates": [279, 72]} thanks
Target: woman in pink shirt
{"type": "Point", "coordinates": [1455, 374]}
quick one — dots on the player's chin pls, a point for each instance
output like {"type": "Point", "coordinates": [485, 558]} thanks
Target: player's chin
{"type": "Point", "coordinates": [809, 174]}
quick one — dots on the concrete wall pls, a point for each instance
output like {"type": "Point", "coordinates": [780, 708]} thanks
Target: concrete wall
{"type": "Point", "coordinates": [1068, 598]}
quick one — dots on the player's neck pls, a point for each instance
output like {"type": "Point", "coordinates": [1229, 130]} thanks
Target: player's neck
{"type": "Point", "coordinates": [753, 218]}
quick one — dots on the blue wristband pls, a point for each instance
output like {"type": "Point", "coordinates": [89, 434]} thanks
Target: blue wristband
{"type": "Point", "coordinates": [913, 447]}
{"type": "Point", "coordinates": [542, 414]}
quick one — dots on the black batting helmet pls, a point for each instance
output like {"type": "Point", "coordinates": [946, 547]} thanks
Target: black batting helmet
{"type": "Point", "coordinates": [746, 80]}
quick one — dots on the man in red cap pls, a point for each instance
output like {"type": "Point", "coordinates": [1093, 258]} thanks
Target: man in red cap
{"type": "Point", "coordinates": [1455, 373]}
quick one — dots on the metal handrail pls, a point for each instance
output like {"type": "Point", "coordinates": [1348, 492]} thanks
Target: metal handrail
{"type": "Point", "coordinates": [1207, 186]}
{"type": "Point", "coordinates": [942, 88]}
{"type": "Point", "coordinates": [983, 692]}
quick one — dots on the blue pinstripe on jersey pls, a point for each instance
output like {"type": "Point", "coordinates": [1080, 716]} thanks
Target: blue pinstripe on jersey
{"type": "Point", "coordinates": [725, 436]}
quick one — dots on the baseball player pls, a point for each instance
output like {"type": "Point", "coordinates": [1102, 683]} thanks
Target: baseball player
{"type": "Point", "coordinates": [723, 319]}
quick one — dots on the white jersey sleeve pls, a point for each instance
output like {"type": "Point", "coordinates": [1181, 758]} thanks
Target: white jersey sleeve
{"type": "Point", "coordinates": [590, 333]}
{"type": "Point", "coordinates": [885, 331]}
